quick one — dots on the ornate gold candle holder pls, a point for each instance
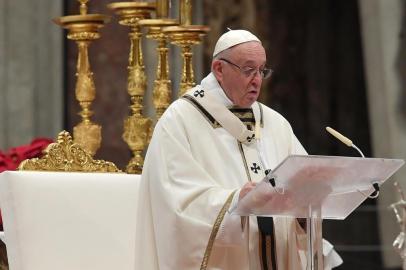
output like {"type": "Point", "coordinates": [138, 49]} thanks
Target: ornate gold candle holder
{"type": "Point", "coordinates": [83, 29]}
{"type": "Point", "coordinates": [137, 128]}
{"type": "Point", "coordinates": [186, 36]}
{"type": "Point", "coordinates": [162, 85]}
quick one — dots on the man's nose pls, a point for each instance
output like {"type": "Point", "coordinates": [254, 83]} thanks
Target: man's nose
{"type": "Point", "coordinates": [256, 78]}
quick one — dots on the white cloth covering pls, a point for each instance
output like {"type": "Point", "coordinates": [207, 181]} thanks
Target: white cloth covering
{"type": "Point", "coordinates": [69, 220]}
{"type": "Point", "coordinates": [192, 167]}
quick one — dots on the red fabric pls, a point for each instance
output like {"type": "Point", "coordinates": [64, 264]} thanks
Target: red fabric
{"type": "Point", "coordinates": [5, 162]}
{"type": "Point", "coordinates": [13, 157]}
{"type": "Point", "coordinates": [10, 160]}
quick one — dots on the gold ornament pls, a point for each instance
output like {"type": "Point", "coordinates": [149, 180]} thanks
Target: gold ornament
{"type": "Point", "coordinates": [67, 156]}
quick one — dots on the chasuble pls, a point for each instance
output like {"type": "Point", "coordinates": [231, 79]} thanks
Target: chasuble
{"type": "Point", "coordinates": [192, 174]}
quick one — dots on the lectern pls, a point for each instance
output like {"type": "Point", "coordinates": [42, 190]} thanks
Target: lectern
{"type": "Point", "coordinates": [316, 188]}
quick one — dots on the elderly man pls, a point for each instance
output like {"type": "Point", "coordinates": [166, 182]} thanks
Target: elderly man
{"type": "Point", "coordinates": [208, 150]}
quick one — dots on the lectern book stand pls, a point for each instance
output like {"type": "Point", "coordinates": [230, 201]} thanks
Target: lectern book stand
{"type": "Point", "coordinates": [316, 188]}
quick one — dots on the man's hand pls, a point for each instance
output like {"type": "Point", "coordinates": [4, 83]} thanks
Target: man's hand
{"type": "Point", "coordinates": [245, 189]}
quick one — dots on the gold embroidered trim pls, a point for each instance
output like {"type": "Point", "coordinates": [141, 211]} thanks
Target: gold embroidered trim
{"type": "Point", "coordinates": [245, 161]}
{"type": "Point", "coordinates": [215, 230]}
{"type": "Point", "coordinates": [261, 113]}
{"type": "Point", "coordinates": [213, 122]}
{"type": "Point", "coordinates": [247, 171]}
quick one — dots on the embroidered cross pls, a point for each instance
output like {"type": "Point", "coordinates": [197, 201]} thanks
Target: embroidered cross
{"type": "Point", "coordinates": [199, 93]}
{"type": "Point", "coordinates": [249, 139]}
{"type": "Point", "coordinates": [255, 168]}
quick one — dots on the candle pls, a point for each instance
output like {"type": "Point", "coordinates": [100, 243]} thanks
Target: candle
{"type": "Point", "coordinates": [162, 8]}
{"type": "Point", "coordinates": [185, 12]}
{"type": "Point", "coordinates": [83, 6]}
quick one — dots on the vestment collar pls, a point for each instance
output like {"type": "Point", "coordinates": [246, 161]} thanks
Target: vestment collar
{"type": "Point", "coordinates": [210, 84]}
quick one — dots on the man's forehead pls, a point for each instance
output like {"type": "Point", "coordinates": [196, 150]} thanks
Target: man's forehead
{"type": "Point", "coordinates": [250, 52]}
{"type": "Point", "coordinates": [248, 46]}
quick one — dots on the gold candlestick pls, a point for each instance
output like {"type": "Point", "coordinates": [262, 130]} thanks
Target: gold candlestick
{"type": "Point", "coordinates": [83, 29]}
{"type": "Point", "coordinates": [162, 85]}
{"type": "Point", "coordinates": [137, 128]}
{"type": "Point", "coordinates": [185, 36]}
{"type": "Point", "coordinates": [162, 9]}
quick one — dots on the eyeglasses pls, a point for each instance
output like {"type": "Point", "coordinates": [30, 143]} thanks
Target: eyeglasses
{"type": "Point", "coordinates": [250, 71]}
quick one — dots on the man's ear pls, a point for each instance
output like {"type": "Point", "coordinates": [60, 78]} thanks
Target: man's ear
{"type": "Point", "coordinates": [217, 69]}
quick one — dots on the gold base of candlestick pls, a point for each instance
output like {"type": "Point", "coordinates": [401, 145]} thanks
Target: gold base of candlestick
{"type": "Point", "coordinates": [136, 164]}
{"type": "Point", "coordinates": [88, 135]}
{"type": "Point", "coordinates": [137, 131]}
{"type": "Point", "coordinates": [186, 36]}
{"type": "Point", "coordinates": [162, 96]}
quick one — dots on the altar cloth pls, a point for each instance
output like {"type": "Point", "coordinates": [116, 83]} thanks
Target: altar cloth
{"type": "Point", "coordinates": [55, 220]}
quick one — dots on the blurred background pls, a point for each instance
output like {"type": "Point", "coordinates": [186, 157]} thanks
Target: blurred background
{"type": "Point", "coordinates": [338, 63]}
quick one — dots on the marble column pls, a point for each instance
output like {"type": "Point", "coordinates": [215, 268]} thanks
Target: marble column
{"type": "Point", "coordinates": [384, 47]}
{"type": "Point", "coordinates": [31, 73]}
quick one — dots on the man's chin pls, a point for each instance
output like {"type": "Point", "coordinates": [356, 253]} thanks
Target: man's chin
{"type": "Point", "coordinates": [247, 102]}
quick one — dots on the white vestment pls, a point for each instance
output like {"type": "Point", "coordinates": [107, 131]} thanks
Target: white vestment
{"type": "Point", "coordinates": [191, 170]}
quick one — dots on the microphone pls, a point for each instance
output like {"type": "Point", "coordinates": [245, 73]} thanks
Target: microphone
{"type": "Point", "coordinates": [349, 143]}
{"type": "Point", "coordinates": [343, 139]}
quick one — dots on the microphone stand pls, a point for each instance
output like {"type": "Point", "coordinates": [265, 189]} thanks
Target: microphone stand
{"type": "Point", "coordinates": [349, 143]}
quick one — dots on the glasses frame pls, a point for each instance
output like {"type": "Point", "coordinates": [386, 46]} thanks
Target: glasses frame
{"type": "Point", "coordinates": [248, 72]}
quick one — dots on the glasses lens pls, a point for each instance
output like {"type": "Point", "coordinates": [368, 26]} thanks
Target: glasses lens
{"type": "Point", "coordinates": [266, 73]}
{"type": "Point", "coordinates": [248, 71]}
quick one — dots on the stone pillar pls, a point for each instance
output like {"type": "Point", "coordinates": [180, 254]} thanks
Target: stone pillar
{"type": "Point", "coordinates": [383, 45]}
{"type": "Point", "coordinates": [31, 74]}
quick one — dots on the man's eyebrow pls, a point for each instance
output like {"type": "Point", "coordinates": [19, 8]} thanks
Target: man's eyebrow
{"type": "Point", "coordinates": [252, 62]}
